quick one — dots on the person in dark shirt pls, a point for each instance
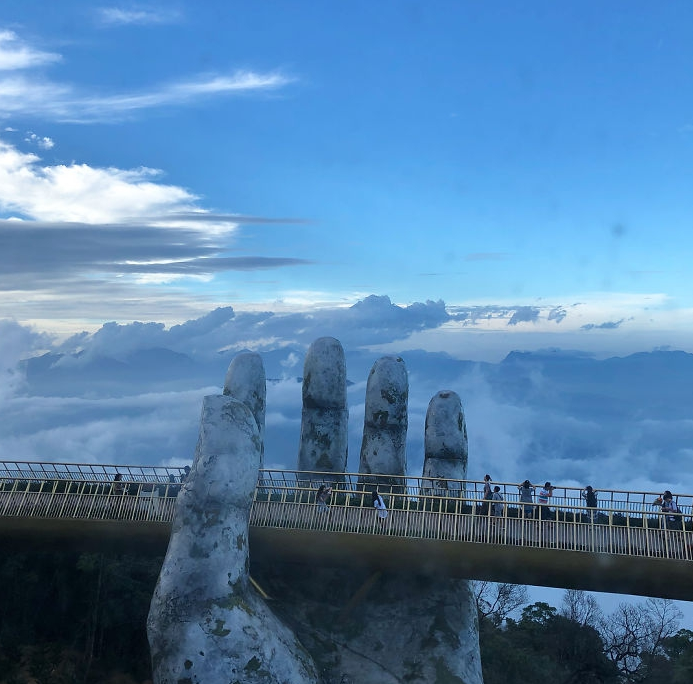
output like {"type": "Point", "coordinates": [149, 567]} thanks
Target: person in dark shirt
{"type": "Point", "coordinates": [672, 515]}
{"type": "Point", "coordinates": [590, 497]}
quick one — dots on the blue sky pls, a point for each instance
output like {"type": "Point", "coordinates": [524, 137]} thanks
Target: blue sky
{"type": "Point", "coordinates": [168, 158]}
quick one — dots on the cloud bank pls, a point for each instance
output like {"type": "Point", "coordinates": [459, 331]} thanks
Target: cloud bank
{"type": "Point", "coordinates": [82, 234]}
{"type": "Point", "coordinates": [132, 393]}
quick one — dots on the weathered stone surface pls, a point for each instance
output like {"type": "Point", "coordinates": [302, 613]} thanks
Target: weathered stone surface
{"type": "Point", "coordinates": [206, 624]}
{"type": "Point", "coordinates": [445, 440]}
{"type": "Point", "coordinates": [324, 418]}
{"type": "Point", "coordinates": [365, 627]}
{"type": "Point", "coordinates": [245, 380]}
{"type": "Point", "coordinates": [445, 461]}
{"type": "Point", "coordinates": [383, 448]}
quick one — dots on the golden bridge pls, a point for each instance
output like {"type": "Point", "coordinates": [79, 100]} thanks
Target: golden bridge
{"type": "Point", "coordinates": [435, 527]}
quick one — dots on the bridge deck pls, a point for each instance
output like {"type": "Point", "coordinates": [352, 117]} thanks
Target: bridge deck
{"type": "Point", "coordinates": [430, 529]}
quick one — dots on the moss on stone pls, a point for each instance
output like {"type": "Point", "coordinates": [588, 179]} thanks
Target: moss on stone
{"type": "Point", "coordinates": [187, 664]}
{"type": "Point", "coordinates": [220, 630]}
{"type": "Point", "coordinates": [380, 418]}
{"type": "Point", "coordinates": [229, 603]}
{"type": "Point", "coordinates": [196, 551]}
{"type": "Point", "coordinates": [323, 439]}
{"type": "Point", "coordinates": [253, 665]}
{"type": "Point", "coordinates": [391, 396]}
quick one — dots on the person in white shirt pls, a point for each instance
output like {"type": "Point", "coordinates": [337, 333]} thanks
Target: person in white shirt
{"type": "Point", "coordinates": [543, 500]}
{"type": "Point", "coordinates": [380, 506]}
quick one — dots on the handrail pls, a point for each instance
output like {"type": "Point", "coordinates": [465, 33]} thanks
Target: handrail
{"type": "Point", "coordinates": [418, 507]}
{"type": "Point", "coordinates": [432, 509]}
{"type": "Point", "coordinates": [618, 499]}
{"type": "Point", "coordinates": [31, 470]}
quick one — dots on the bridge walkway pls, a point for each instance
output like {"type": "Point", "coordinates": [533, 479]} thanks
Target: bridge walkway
{"type": "Point", "coordinates": [432, 527]}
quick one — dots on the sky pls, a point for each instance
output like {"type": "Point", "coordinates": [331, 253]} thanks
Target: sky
{"type": "Point", "coordinates": [159, 160]}
{"type": "Point", "coordinates": [449, 181]}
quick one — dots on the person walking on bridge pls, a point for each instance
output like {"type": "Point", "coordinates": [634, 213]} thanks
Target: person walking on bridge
{"type": "Point", "coordinates": [590, 497]}
{"type": "Point", "coordinates": [322, 497]}
{"type": "Point", "coordinates": [527, 497]}
{"type": "Point", "coordinates": [672, 515]}
{"type": "Point", "coordinates": [497, 502]}
{"type": "Point", "coordinates": [118, 486]}
{"type": "Point", "coordinates": [380, 506]}
{"type": "Point", "coordinates": [543, 499]}
{"type": "Point", "coordinates": [488, 495]}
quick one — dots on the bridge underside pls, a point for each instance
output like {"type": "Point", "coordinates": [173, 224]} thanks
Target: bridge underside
{"type": "Point", "coordinates": [561, 568]}
{"type": "Point", "coordinates": [656, 577]}
{"type": "Point", "coordinates": [114, 536]}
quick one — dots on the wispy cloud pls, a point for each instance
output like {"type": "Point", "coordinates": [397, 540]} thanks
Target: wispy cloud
{"type": "Point", "coordinates": [15, 54]}
{"type": "Point", "coordinates": [20, 95]}
{"type": "Point", "coordinates": [36, 96]}
{"type": "Point", "coordinates": [137, 15]}
{"type": "Point", "coordinates": [608, 325]}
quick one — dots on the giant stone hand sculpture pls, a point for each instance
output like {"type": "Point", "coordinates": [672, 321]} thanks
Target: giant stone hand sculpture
{"type": "Point", "coordinates": [207, 625]}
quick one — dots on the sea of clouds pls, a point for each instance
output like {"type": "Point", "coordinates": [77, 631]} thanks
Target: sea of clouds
{"type": "Point", "coordinates": [131, 394]}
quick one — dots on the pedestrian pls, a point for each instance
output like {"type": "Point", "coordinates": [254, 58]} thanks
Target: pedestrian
{"type": "Point", "coordinates": [497, 501]}
{"type": "Point", "coordinates": [118, 484]}
{"type": "Point", "coordinates": [488, 495]}
{"type": "Point", "coordinates": [380, 506]}
{"type": "Point", "coordinates": [590, 497]}
{"type": "Point", "coordinates": [545, 494]}
{"type": "Point", "coordinates": [527, 497]}
{"type": "Point", "coordinates": [672, 515]}
{"type": "Point", "coordinates": [322, 497]}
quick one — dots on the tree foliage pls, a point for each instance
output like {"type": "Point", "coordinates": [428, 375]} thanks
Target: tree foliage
{"type": "Point", "coordinates": [639, 643]}
{"type": "Point", "coordinates": [69, 618]}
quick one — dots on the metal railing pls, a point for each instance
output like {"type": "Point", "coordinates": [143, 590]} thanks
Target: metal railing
{"type": "Point", "coordinates": [625, 523]}
{"type": "Point", "coordinates": [89, 491]}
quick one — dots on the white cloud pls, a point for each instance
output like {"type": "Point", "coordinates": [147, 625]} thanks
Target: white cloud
{"type": "Point", "coordinates": [87, 108]}
{"type": "Point", "coordinates": [28, 95]}
{"type": "Point", "coordinates": [16, 342]}
{"type": "Point", "coordinates": [82, 193]}
{"type": "Point", "coordinates": [44, 142]}
{"type": "Point", "coordinates": [76, 233]}
{"type": "Point", "coordinates": [146, 428]}
{"type": "Point", "coordinates": [118, 16]}
{"type": "Point", "coordinates": [15, 54]}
